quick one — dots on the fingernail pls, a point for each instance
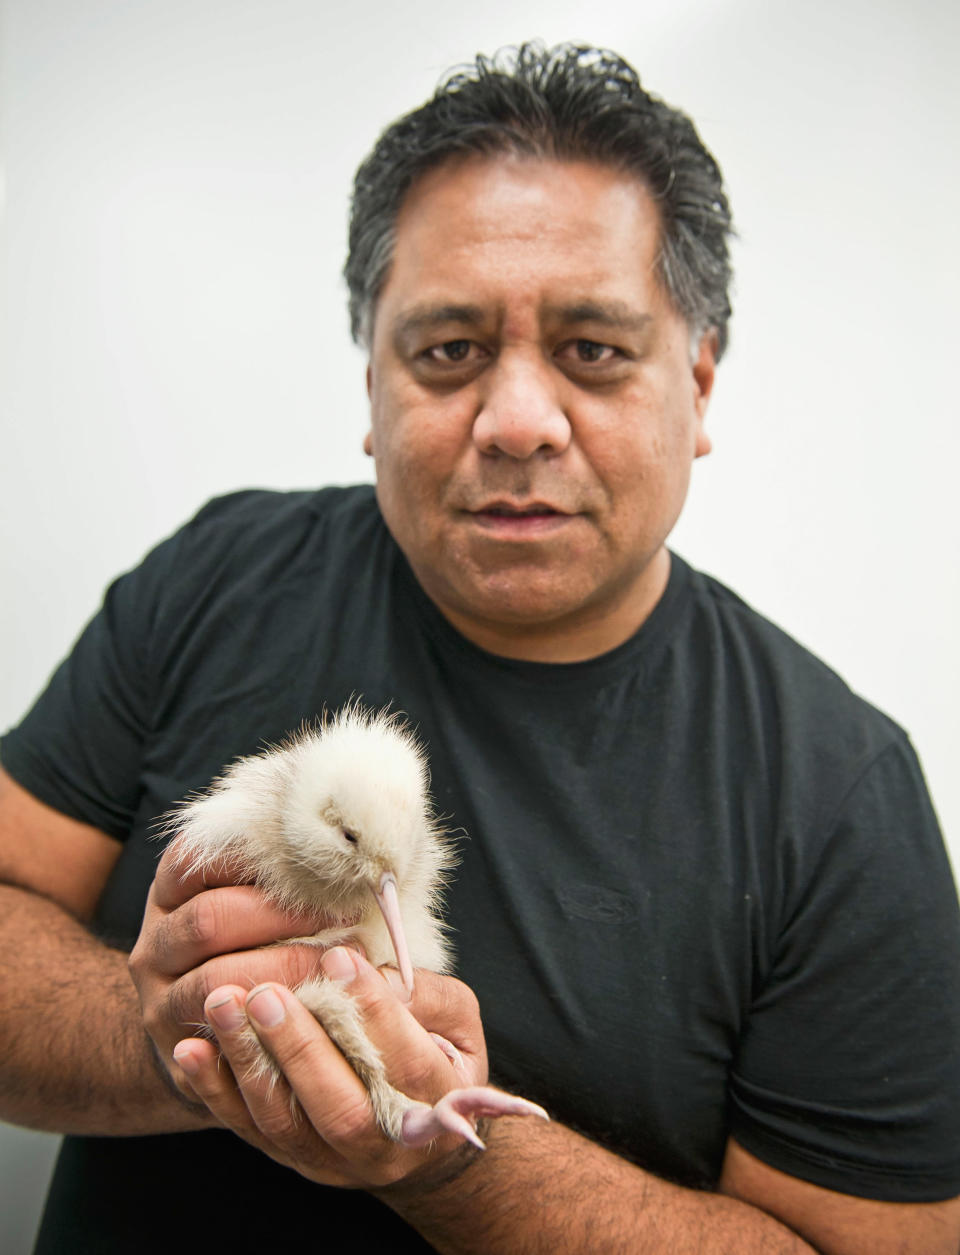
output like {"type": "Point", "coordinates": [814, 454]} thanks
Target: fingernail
{"type": "Point", "coordinates": [225, 1014]}
{"type": "Point", "coordinates": [185, 1059]}
{"type": "Point", "coordinates": [265, 1007]}
{"type": "Point", "coordinates": [338, 964]}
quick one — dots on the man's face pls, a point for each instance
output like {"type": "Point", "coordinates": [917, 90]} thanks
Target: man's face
{"type": "Point", "coordinates": [534, 409]}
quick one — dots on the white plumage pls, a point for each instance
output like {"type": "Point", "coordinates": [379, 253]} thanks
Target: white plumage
{"type": "Point", "coordinates": [338, 820]}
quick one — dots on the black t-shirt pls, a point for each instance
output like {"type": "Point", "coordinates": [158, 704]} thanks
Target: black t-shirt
{"type": "Point", "coordinates": [702, 891]}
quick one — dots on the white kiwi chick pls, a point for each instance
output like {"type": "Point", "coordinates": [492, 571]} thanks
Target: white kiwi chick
{"type": "Point", "coordinates": [338, 820]}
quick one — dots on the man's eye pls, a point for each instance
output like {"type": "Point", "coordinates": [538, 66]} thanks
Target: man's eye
{"type": "Point", "coordinates": [450, 351]}
{"type": "Point", "coordinates": [593, 351]}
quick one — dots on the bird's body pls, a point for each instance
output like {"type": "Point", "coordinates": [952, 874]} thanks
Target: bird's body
{"type": "Point", "coordinates": [337, 820]}
{"type": "Point", "coordinates": [319, 819]}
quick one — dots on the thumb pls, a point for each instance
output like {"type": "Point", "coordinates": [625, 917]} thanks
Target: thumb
{"type": "Point", "coordinates": [444, 1006]}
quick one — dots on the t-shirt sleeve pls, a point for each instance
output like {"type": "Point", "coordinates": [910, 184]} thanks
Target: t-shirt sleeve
{"type": "Point", "coordinates": [848, 1074]}
{"type": "Point", "coordinates": [79, 749]}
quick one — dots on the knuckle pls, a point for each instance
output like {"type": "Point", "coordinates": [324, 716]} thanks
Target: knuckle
{"type": "Point", "coordinates": [419, 1077]}
{"type": "Point", "coordinates": [374, 999]}
{"type": "Point", "coordinates": [279, 1122]}
{"type": "Point", "coordinates": [297, 964]}
{"type": "Point", "coordinates": [352, 1119]}
{"type": "Point", "coordinates": [202, 920]}
{"type": "Point", "coordinates": [295, 1055]}
{"type": "Point", "coordinates": [461, 997]}
{"type": "Point", "coordinates": [183, 1085]}
{"type": "Point", "coordinates": [153, 1021]}
{"type": "Point", "coordinates": [180, 1007]}
{"type": "Point", "coordinates": [142, 957]}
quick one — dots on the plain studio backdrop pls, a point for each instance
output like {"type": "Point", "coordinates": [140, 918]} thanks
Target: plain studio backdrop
{"type": "Point", "coordinates": [176, 176]}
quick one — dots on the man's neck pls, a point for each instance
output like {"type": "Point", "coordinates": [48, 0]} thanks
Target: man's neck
{"type": "Point", "coordinates": [572, 638]}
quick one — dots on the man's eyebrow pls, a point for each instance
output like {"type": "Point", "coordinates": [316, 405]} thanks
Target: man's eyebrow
{"type": "Point", "coordinates": [426, 316]}
{"type": "Point", "coordinates": [606, 313]}
{"type": "Point", "coordinates": [422, 317]}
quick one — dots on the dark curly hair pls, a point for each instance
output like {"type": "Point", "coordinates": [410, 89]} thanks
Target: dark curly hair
{"type": "Point", "coordinates": [566, 103]}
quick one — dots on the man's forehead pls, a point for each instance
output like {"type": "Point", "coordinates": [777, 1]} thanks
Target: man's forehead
{"type": "Point", "coordinates": [523, 196]}
{"type": "Point", "coordinates": [488, 240]}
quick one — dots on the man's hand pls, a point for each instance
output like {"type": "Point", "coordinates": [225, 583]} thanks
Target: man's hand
{"type": "Point", "coordinates": [529, 1191]}
{"type": "Point", "coordinates": [539, 1187]}
{"type": "Point", "coordinates": [202, 932]}
{"type": "Point", "coordinates": [329, 1133]}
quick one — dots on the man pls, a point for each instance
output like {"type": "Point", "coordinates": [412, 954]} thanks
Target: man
{"type": "Point", "coordinates": [703, 903]}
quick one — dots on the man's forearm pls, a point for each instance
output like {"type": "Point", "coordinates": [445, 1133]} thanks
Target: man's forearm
{"type": "Point", "coordinates": [544, 1189]}
{"type": "Point", "coordinates": [75, 1058]}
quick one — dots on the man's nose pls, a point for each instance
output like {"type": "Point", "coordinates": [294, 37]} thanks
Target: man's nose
{"type": "Point", "coordinates": [520, 410]}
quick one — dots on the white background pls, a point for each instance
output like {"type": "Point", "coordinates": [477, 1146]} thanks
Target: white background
{"type": "Point", "coordinates": [176, 177]}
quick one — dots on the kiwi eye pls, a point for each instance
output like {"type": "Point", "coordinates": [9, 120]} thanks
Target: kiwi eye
{"type": "Point", "coordinates": [350, 836]}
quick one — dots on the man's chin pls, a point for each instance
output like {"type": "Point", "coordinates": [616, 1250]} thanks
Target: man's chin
{"type": "Point", "coordinates": [560, 610]}
{"type": "Point", "coordinates": [517, 599]}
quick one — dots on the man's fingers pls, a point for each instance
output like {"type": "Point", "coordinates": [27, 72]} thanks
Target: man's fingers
{"type": "Point", "coordinates": [307, 1058]}
{"type": "Point", "coordinates": [329, 1133]}
{"type": "Point", "coordinates": [446, 1007]}
{"type": "Point", "coordinates": [197, 1069]}
{"type": "Point", "coordinates": [258, 1106]}
{"type": "Point", "coordinates": [219, 921]}
{"type": "Point", "coordinates": [413, 1060]}
{"type": "Point", "coordinates": [182, 1006]}
{"type": "Point", "coordinates": [328, 1089]}
{"type": "Point", "coordinates": [175, 882]}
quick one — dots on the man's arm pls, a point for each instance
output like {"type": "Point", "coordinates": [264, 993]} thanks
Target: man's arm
{"type": "Point", "coordinates": [74, 1056]}
{"type": "Point", "coordinates": [586, 1200]}
{"type": "Point", "coordinates": [537, 1188]}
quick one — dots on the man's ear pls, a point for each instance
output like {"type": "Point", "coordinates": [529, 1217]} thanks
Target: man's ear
{"type": "Point", "coordinates": [368, 438]}
{"type": "Point", "coordinates": [704, 371]}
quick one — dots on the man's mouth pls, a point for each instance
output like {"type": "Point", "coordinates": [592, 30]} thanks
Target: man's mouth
{"type": "Point", "coordinates": [509, 520]}
{"type": "Point", "coordinates": [505, 511]}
